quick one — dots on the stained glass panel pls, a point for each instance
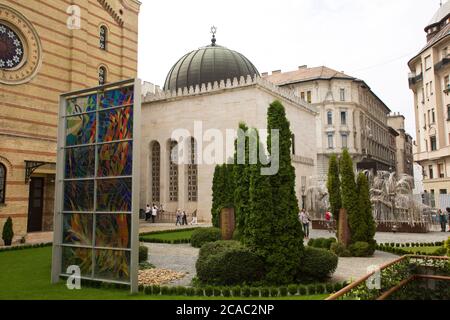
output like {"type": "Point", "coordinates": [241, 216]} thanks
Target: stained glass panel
{"type": "Point", "coordinates": [81, 104]}
{"type": "Point", "coordinates": [114, 195]}
{"type": "Point", "coordinates": [117, 97]}
{"type": "Point", "coordinates": [77, 229]}
{"type": "Point", "coordinates": [80, 257]}
{"type": "Point", "coordinates": [80, 162]}
{"type": "Point", "coordinates": [113, 230]}
{"type": "Point", "coordinates": [79, 196]}
{"type": "Point", "coordinates": [115, 124]}
{"type": "Point", "coordinates": [80, 129]}
{"type": "Point", "coordinates": [11, 48]}
{"type": "Point", "coordinates": [112, 265]}
{"type": "Point", "coordinates": [115, 159]}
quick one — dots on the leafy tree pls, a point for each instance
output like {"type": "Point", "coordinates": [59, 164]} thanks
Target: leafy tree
{"type": "Point", "coordinates": [334, 188]}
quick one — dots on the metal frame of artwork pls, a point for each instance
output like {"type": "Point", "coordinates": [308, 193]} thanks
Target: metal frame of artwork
{"type": "Point", "coordinates": [96, 221]}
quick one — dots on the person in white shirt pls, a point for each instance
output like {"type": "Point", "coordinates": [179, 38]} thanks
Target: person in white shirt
{"type": "Point", "coordinates": [147, 212]}
{"type": "Point", "coordinates": [154, 213]}
{"type": "Point", "coordinates": [305, 220]}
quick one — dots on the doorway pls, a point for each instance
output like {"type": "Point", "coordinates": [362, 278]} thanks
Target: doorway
{"type": "Point", "coordinates": [35, 205]}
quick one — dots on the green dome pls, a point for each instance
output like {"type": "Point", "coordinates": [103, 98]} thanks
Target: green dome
{"type": "Point", "coordinates": [208, 64]}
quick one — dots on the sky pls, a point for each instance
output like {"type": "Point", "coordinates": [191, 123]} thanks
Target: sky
{"type": "Point", "coordinates": [369, 39]}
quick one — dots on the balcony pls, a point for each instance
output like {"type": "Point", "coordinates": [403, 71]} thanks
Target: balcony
{"type": "Point", "coordinates": [441, 64]}
{"type": "Point", "coordinates": [413, 78]}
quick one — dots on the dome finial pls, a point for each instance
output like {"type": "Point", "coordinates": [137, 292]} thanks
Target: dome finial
{"type": "Point", "coordinates": [213, 31]}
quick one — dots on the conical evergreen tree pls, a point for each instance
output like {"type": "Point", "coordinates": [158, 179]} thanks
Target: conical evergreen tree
{"type": "Point", "coordinates": [222, 191]}
{"type": "Point", "coordinates": [285, 247]}
{"type": "Point", "coordinates": [334, 187]}
{"type": "Point", "coordinates": [349, 192]}
{"type": "Point", "coordinates": [367, 227]}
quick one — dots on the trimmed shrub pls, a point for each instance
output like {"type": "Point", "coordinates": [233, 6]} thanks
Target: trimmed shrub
{"type": "Point", "coordinates": [236, 291]}
{"type": "Point", "coordinates": [265, 292]}
{"type": "Point", "coordinates": [311, 242]}
{"type": "Point", "coordinates": [228, 263]}
{"type": "Point", "coordinates": [447, 246]}
{"type": "Point", "coordinates": [148, 290]}
{"type": "Point", "coordinates": [303, 290]}
{"type": "Point", "coordinates": [320, 288]}
{"type": "Point", "coordinates": [156, 290]}
{"type": "Point", "coordinates": [311, 289]}
{"type": "Point", "coordinates": [143, 254]}
{"type": "Point", "coordinates": [317, 264]}
{"type": "Point", "coordinates": [254, 292]}
{"type": "Point", "coordinates": [181, 291]}
{"type": "Point", "coordinates": [330, 287]}
{"type": "Point", "coordinates": [209, 291]}
{"type": "Point", "coordinates": [360, 249]}
{"type": "Point", "coordinates": [226, 292]}
{"type": "Point", "coordinates": [337, 286]}
{"type": "Point", "coordinates": [338, 249]}
{"type": "Point", "coordinates": [8, 233]}
{"type": "Point", "coordinates": [293, 289]}
{"type": "Point", "coordinates": [283, 292]}
{"type": "Point", "coordinates": [217, 292]}
{"type": "Point", "coordinates": [246, 292]}
{"type": "Point", "coordinates": [274, 292]}
{"type": "Point", "coordinates": [190, 292]}
{"type": "Point", "coordinates": [173, 291]}
{"type": "Point", "coordinates": [199, 292]}
{"type": "Point", "coordinates": [204, 235]}
{"type": "Point", "coordinates": [165, 291]}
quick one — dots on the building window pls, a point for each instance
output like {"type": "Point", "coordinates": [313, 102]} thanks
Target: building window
{"type": "Point", "coordinates": [342, 94]}
{"type": "Point", "coordinates": [302, 96]}
{"type": "Point", "coordinates": [330, 118]}
{"type": "Point", "coordinates": [443, 191]}
{"type": "Point", "coordinates": [330, 141]}
{"type": "Point", "coordinates": [441, 171]}
{"type": "Point", "coordinates": [156, 172]}
{"type": "Point", "coordinates": [448, 112]}
{"type": "Point", "coordinates": [173, 171]}
{"type": "Point", "coordinates": [103, 37]}
{"type": "Point", "coordinates": [308, 96]}
{"type": "Point", "coordinates": [344, 141]}
{"type": "Point", "coordinates": [343, 118]}
{"type": "Point", "coordinates": [433, 116]}
{"type": "Point", "coordinates": [428, 63]}
{"type": "Point", "coordinates": [2, 183]}
{"type": "Point", "coordinates": [430, 170]}
{"type": "Point", "coordinates": [102, 76]}
{"type": "Point", "coordinates": [293, 144]}
{"type": "Point", "coordinates": [433, 143]}
{"type": "Point", "coordinates": [192, 171]}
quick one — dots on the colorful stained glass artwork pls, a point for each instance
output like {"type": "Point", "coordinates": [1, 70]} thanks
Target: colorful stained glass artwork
{"type": "Point", "coordinates": [114, 195]}
{"type": "Point", "coordinates": [116, 98]}
{"type": "Point", "coordinates": [80, 257]}
{"type": "Point", "coordinates": [112, 265]}
{"type": "Point", "coordinates": [80, 162]}
{"type": "Point", "coordinates": [81, 104]}
{"type": "Point", "coordinates": [115, 159]}
{"type": "Point", "coordinates": [79, 196]}
{"type": "Point", "coordinates": [77, 228]}
{"type": "Point", "coordinates": [115, 124]}
{"type": "Point", "coordinates": [113, 230]}
{"type": "Point", "coordinates": [80, 129]}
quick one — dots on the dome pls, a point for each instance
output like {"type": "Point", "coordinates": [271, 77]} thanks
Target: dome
{"type": "Point", "coordinates": [442, 13]}
{"type": "Point", "coordinates": [208, 64]}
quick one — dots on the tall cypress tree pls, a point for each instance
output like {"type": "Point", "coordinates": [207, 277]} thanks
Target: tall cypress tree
{"type": "Point", "coordinates": [222, 191]}
{"type": "Point", "coordinates": [367, 228]}
{"type": "Point", "coordinates": [334, 188]}
{"type": "Point", "coordinates": [285, 247]}
{"type": "Point", "coordinates": [349, 191]}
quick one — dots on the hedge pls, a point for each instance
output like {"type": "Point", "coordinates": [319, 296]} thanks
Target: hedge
{"type": "Point", "coordinates": [393, 248]}
{"type": "Point", "coordinates": [202, 236]}
{"type": "Point", "coordinates": [317, 264]}
{"type": "Point", "coordinates": [25, 247]}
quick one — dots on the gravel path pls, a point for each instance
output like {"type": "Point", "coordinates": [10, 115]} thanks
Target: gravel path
{"type": "Point", "coordinates": [176, 257]}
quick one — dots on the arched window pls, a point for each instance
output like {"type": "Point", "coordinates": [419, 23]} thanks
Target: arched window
{"type": "Point", "coordinates": [173, 171]}
{"type": "Point", "coordinates": [2, 183]}
{"type": "Point", "coordinates": [103, 37]}
{"type": "Point", "coordinates": [102, 75]}
{"type": "Point", "coordinates": [156, 172]}
{"type": "Point", "coordinates": [192, 170]}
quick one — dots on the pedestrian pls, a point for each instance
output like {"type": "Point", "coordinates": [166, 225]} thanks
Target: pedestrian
{"type": "Point", "coordinates": [328, 219]}
{"type": "Point", "coordinates": [178, 214]}
{"type": "Point", "coordinates": [154, 213]}
{"type": "Point", "coordinates": [448, 218]}
{"type": "Point", "coordinates": [184, 218]}
{"type": "Point", "coordinates": [305, 220]}
{"type": "Point", "coordinates": [147, 212]}
{"type": "Point", "coordinates": [443, 220]}
{"type": "Point", "coordinates": [194, 218]}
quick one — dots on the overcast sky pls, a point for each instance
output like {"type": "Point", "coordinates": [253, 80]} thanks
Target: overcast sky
{"type": "Point", "coordinates": [369, 39]}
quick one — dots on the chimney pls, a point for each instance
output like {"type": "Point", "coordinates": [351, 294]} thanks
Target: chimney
{"type": "Point", "coordinates": [276, 72]}
{"type": "Point", "coordinates": [302, 67]}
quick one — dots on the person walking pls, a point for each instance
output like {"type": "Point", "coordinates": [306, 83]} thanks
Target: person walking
{"type": "Point", "coordinates": [443, 220]}
{"type": "Point", "coordinates": [147, 212]}
{"type": "Point", "coordinates": [305, 220]}
{"type": "Point", "coordinates": [448, 218]}
{"type": "Point", "coordinates": [194, 218]}
{"type": "Point", "coordinates": [154, 213]}
{"type": "Point", "coordinates": [178, 214]}
{"type": "Point", "coordinates": [328, 219]}
{"type": "Point", "coordinates": [184, 218]}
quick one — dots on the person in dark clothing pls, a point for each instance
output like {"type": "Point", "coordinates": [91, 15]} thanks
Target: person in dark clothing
{"type": "Point", "coordinates": [184, 218]}
{"type": "Point", "coordinates": [443, 220]}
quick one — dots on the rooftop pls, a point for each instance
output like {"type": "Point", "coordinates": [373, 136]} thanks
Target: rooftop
{"type": "Point", "coordinates": [306, 74]}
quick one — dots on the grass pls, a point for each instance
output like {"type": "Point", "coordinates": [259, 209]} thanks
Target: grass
{"type": "Point", "coordinates": [25, 275]}
{"type": "Point", "coordinates": [170, 236]}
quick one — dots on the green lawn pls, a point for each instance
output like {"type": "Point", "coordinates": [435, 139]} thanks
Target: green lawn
{"type": "Point", "coordinates": [25, 274]}
{"type": "Point", "coordinates": [170, 236]}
